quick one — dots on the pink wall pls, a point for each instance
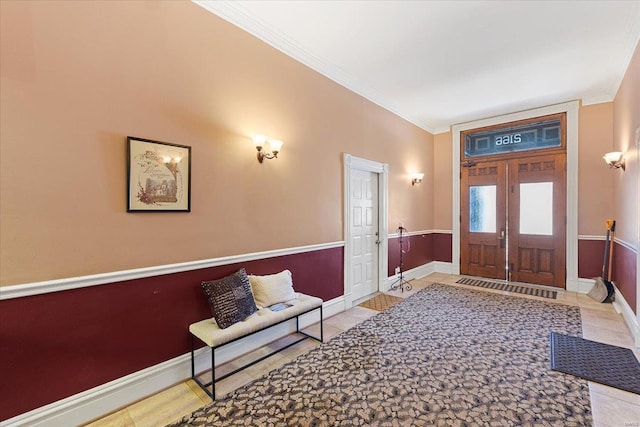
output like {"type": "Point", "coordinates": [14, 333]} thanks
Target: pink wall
{"type": "Point", "coordinates": [595, 198]}
{"type": "Point", "coordinates": [626, 138]}
{"type": "Point", "coordinates": [78, 77]}
{"type": "Point", "coordinates": [75, 79]}
{"type": "Point", "coordinates": [443, 181]}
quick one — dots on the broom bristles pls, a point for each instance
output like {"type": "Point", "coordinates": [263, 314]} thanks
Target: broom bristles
{"type": "Point", "coordinates": [599, 290]}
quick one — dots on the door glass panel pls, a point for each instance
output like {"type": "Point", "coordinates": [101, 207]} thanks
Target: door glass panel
{"type": "Point", "coordinates": [482, 208]}
{"type": "Point", "coordinates": [536, 208]}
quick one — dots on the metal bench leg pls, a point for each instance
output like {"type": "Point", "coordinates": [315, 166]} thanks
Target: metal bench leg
{"type": "Point", "coordinates": [213, 373]}
{"type": "Point", "coordinates": [193, 364]}
{"type": "Point", "coordinates": [321, 318]}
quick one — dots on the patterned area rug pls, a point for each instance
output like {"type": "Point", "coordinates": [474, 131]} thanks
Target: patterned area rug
{"type": "Point", "coordinates": [444, 356]}
{"type": "Point", "coordinates": [509, 287]}
{"type": "Point", "coordinates": [381, 302]}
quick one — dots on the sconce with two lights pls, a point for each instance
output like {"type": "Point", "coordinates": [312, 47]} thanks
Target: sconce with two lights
{"type": "Point", "coordinates": [416, 178]}
{"type": "Point", "coordinates": [260, 142]}
{"type": "Point", "coordinates": [614, 160]}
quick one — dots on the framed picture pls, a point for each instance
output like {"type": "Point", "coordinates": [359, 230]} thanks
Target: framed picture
{"type": "Point", "coordinates": [158, 176]}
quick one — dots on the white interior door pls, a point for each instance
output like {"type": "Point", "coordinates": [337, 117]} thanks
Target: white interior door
{"type": "Point", "coordinates": [364, 233]}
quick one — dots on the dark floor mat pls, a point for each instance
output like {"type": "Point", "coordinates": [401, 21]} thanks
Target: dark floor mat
{"type": "Point", "coordinates": [594, 361]}
{"type": "Point", "coordinates": [509, 287]}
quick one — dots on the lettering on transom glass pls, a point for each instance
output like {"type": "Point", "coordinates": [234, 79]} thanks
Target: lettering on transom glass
{"type": "Point", "coordinates": [514, 138]}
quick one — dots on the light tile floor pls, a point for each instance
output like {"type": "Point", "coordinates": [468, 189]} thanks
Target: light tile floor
{"type": "Point", "coordinates": [611, 407]}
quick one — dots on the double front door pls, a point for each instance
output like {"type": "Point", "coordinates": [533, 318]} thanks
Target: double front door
{"type": "Point", "coordinates": [513, 219]}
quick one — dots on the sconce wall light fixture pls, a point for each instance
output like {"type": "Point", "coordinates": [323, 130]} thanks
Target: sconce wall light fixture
{"type": "Point", "coordinates": [167, 159]}
{"type": "Point", "coordinates": [416, 178]}
{"type": "Point", "coordinates": [275, 146]}
{"type": "Point", "coordinates": [614, 160]}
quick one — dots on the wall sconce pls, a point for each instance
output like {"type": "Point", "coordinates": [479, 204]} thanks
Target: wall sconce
{"type": "Point", "coordinates": [275, 145]}
{"type": "Point", "coordinates": [167, 159]}
{"type": "Point", "coordinates": [172, 163]}
{"type": "Point", "coordinates": [614, 160]}
{"type": "Point", "coordinates": [416, 178]}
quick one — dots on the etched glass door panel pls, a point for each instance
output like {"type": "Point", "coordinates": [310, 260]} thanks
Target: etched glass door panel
{"type": "Point", "coordinates": [482, 208]}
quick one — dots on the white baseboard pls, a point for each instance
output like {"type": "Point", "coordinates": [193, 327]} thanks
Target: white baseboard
{"type": "Point", "coordinates": [420, 272]}
{"type": "Point", "coordinates": [622, 306]}
{"type": "Point", "coordinates": [442, 267]}
{"type": "Point", "coordinates": [99, 401]}
{"type": "Point", "coordinates": [582, 286]}
{"type": "Point", "coordinates": [106, 398]}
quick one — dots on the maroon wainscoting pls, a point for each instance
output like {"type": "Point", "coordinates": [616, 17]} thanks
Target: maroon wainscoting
{"type": "Point", "coordinates": [59, 344]}
{"type": "Point", "coordinates": [624, 273]}
{"type": "Point", "coordinates": [418, 250]}
{"type": "Point", "coordinates": [590, 258]}
{"type": "Point", "coordinates": [442, 244]}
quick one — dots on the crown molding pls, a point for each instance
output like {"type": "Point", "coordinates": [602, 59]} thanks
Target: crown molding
{"type": "Point", "coordinates": [633, 38]}
{"type": "Point", "coordinates": [600, 99]}
{"type": "Point", "coordinates": [239, 16]}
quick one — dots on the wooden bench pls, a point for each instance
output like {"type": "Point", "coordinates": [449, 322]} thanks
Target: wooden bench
{"type": "Point", "coordinates": [211, 335]}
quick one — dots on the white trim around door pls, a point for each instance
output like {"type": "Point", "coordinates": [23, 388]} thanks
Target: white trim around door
{"type": "Point", "coordinates": [382, 169]}
{"type": "Point", "coordinates": [571, 109]}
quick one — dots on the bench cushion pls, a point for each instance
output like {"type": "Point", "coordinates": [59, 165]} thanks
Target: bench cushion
{"type": "Point", "coordinates": [209, 333]}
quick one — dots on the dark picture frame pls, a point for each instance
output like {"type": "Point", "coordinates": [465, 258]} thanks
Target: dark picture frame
{"type": "Point", "coordinates": [158, 176]}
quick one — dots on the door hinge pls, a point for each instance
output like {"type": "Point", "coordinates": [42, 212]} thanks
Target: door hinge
{"type": "Point", "coordinates": [512, 189]}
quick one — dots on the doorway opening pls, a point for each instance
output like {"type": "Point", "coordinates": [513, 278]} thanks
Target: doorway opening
{"type": "Point", "coordinates": [513, 201]}
{"type": "Point", "coordinates": [365, 228]}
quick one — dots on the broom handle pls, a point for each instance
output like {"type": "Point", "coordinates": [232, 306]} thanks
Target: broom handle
{"type": "Point", "coordinates": [613, 232]}
{"type": "Point", "coordinates": [606, 252]}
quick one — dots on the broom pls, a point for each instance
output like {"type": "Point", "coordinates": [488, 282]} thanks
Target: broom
{"type": "Point", "coordinates": [611, 290]}
{"type": "Point", "coordinates": [603, 289]}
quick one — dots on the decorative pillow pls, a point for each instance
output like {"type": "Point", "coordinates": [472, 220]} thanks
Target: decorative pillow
{"type": "Point", "coordinates": [230, 298]}
{"type": "Point", "coordinates": [272, 289]}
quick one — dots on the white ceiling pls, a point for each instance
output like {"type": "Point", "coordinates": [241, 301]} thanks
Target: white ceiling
{"type": "Point", "coordinates": [438, 63]}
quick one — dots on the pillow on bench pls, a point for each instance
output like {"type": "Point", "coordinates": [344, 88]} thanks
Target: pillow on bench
{"type": "Point", "coordinates": [230, 298]}
{"type": "Point", "coordinates": [272, 289]}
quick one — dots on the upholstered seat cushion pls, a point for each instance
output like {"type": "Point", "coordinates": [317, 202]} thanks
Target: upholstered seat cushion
{"type": "Point", "coordinates": [209, 333]}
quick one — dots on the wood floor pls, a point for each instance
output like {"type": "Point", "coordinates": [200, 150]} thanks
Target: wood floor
{"type": "Point", "coordinates": [600, 322]}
